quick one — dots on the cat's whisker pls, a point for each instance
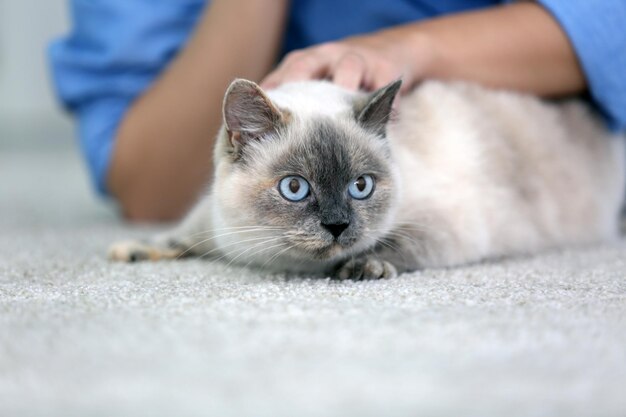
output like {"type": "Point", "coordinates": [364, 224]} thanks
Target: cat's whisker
{"type": "Point", "coordinates": [264, 239]}
{"type": "Point", "coordinates": [251, 251]}
{"type": "Point", "coordinates": [231, 252]}
{"type": "Point", "coordinates": [398, 232]}
{"type": "Point", "coordinates": [412, 228]}
{"type": "Point", "coordinates": [405, 251]}
{"type": "Point", "coordinates": [405, 237]}
{"type": "Point", "coordinates": [264, 249]}
{"type": "Point", "coordinates": [222, 229]}
{"type": "Point", "coordinates": [396, 250]}
{"type": "Point", "coordinates": [415, 244]}
{"type": "Point", "coordinates": [276, 255]}
{"type": "Point", "coordinates": [385, 242]}
{"type": "Point", "coordinates": [252, 255]}
{"type": "Point", "coordinates": [420, 227]}
{"type": "Point", "coordinates": [253, 247]}
{"type": "Point", "coordinates": [221, 235]}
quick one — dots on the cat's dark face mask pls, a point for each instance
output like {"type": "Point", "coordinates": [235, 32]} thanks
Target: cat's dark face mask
{"type": "Point", "coordinates": [325, 184]}
{"type": "Point", "coordinates": [333, 188]}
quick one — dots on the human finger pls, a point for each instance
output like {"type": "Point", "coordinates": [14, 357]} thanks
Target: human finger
{"type": "Point", "coordinates": [384, 75]}
{"type": "Point", "coordinates": [298, 66]}
{"type": "Point", "coordinates": [349, 71]}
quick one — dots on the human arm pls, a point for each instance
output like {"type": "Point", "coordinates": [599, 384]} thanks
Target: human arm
{"type": "Point", "coordinates": [518, 46]}
{"type": "Point", "coordinates": [162, 153]}
{"type": "Point", "coordinates": [147, 109]}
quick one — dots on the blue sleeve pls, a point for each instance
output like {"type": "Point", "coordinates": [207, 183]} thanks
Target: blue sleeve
{"type": "Point", "coordinates": [113, 52]}
{"type": "Point", "coordinates": [597, 30]}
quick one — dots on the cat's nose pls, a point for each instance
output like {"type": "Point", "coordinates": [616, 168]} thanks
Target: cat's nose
{"type": "Point", "coordinates": [335, 229]}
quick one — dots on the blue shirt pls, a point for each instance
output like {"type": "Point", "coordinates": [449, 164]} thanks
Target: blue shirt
{"type": "Point", "coordinates": [117, 48]}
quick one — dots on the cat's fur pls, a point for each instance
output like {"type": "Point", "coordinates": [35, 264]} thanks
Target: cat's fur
{"type": "Point", "coordinates": [464, 174]}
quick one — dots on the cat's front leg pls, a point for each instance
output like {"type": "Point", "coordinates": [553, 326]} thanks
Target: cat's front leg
{"type": "Point", "coordinates": [400, 250]}
{"type": "Point", "coordinates": [147, 250]}
{"type": "Point", "coordinates": [193, 237]}
{"type": "Point", "coordinates": [365, 267]}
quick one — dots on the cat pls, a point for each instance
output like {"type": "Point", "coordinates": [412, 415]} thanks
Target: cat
{"type": "Point", "coordinates": [312, 178]}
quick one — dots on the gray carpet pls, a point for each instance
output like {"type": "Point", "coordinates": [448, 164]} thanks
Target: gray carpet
{"type": "Point", "coordinates": [80, 336]}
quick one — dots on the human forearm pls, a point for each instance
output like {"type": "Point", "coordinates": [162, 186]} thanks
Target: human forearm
{"type": "Point", "coordinates": [518, 47]}
{"type": "Point", "coordinates": [162, 155]}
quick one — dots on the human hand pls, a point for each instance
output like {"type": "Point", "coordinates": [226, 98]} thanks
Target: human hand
{"type": "Point", "coordinates": [518, 47]}
{"type": "Point", "coordinates": [363, 62]}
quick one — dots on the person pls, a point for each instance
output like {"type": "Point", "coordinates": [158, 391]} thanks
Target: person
{"type": "Point", "coordinates": [145, 79]}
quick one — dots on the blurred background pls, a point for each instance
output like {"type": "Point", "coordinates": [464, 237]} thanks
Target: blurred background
{"type": "Point", "coordinates": [28, 110]}
{"type": "Point", "coordinates": [42, 174]}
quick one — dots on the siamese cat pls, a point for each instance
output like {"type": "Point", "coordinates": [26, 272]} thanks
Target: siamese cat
{"type": "Point", "coordinates": [312, 178]}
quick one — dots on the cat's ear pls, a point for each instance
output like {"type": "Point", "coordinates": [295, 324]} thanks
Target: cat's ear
{"type": "Point", "coordinates": [374, 113]}
{"type": "Point", "coordinates": [248, 113]}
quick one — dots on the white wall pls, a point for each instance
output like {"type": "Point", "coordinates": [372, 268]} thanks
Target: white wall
{"type": "Point", "coordinates": [26, 27]}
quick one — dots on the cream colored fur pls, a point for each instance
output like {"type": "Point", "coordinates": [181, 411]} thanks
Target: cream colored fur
{"type": "Point", "coordinates": [495, 173]}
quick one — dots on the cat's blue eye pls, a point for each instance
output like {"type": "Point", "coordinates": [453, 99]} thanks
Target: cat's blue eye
{"type": "Point", "coordinates": [293, 188]}
{"type": "Point", "coordinates": [362, 187]}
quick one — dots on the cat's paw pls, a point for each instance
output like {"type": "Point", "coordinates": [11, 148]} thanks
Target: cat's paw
{"type": "Point", "coordinates": [366, 268]}
{"type": "Point", "coordinates": [134, 251]}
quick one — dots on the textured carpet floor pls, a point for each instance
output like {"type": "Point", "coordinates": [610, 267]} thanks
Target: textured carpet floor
{"type": "Point", "coordinates": [83, 337]}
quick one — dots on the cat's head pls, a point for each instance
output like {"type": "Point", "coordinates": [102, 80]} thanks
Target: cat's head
{"type": "Point", "coordinates": [307, 166]}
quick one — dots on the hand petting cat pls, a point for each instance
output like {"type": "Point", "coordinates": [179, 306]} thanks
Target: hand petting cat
{"type": "Point", "coordinates": [363, 62]}
{"type": "Point", "coordinates": [493, 47]}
